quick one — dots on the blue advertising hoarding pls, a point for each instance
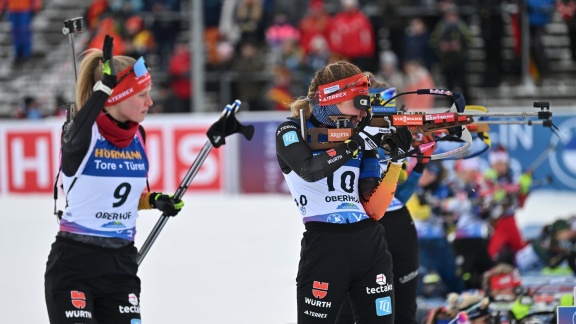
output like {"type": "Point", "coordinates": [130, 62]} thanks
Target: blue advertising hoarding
{"type": "Point", "coordinates": [537, 147]}
{"type": "Point", "coordinates": [566, 315]}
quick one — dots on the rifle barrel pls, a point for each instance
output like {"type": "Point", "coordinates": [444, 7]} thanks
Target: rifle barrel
{"type": "Point", "coordinates": [501, 114]}
{"type": "Point", "coordinates": [510, 122]}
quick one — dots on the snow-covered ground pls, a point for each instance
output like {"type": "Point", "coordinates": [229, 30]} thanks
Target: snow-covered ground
{"type": "Point", "coordinates": [224, 259]}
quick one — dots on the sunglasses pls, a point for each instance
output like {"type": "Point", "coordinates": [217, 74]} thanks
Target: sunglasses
{"type": "Point", "coordinates": [139, 68]}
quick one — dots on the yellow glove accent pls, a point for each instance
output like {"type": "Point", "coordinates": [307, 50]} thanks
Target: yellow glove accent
{"type": "Point", "coordinates": [403, 173]}
{"type": "Point", "coordinates": [520, 310]}
{"type": "Point", "coordinates": [566, 300]}
{"type": "Point", "coordinates": [178, 203]}
{"type": "Point", "coordinates": [499, 195]}
{"type": "Point", "coordinates": [491, 174]}
{"type": "Point", "coordinates": [525, 182]}
{"type": "Point", "coordinates": [354, 151]}
{"type": "Point", "coordinates": [106, 68]}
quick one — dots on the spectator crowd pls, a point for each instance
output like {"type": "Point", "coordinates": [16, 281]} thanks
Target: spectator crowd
{"type": "Point", "coordinates": [269, 49]}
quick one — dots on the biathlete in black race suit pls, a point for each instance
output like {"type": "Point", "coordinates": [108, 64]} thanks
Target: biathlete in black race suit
{"type": "Point", "coordinates": [341, 193]}
{"type": "Point", "coordinates": [91, 273]}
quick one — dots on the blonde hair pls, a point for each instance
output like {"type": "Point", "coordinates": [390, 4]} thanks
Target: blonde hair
{"type": "Point", "coordinates": [328, 74]}
{"type": "Point", "coordinates": [91, 72]}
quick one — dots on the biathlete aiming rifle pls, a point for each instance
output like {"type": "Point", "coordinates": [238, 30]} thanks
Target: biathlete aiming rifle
{"type": "Point", "coordinates": [383, 116]}
{"type": "Point", "coordinates": [457, 124]}
{"type": "Point", "coordinates": [225, 126]}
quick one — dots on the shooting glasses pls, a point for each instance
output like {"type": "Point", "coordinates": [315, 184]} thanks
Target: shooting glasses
{"type": "Point", "coordinates": [139, 68]}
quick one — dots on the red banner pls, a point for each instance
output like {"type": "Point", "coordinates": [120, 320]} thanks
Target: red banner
{"type": "Point", "coordinates": [29, 154]}
{"type": "Point", "coordinates": [30, 167]}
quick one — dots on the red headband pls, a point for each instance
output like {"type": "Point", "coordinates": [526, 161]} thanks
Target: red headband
{"type": "Point", "coordinates": [128, 86]}
{"type": "Point", "coordinates": [506, 280]}
{"type": "Point", "coordinates": [343, 90]}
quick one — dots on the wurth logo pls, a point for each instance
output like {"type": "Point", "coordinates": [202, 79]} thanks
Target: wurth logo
{"type": "Point", "coordinates": [319, 289]}
{"type": "Point", "coordinates": [319, 303]}
{"type": "Point", "coordinates": [78, 313]}
{"type": "Point", "coordinates": [78, 299]}
{"type": "Point", "coordinates": [331, 152]}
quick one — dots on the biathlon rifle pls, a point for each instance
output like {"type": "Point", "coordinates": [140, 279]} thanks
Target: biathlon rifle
{"type": "Point", "coordinates": [71, 26]}
{"type": "Point", "coordinates": [484, 119]}
{"type": "Point", "coordinates": [455, 125]}
{"type": "Point", "coordinates": [384, 115]}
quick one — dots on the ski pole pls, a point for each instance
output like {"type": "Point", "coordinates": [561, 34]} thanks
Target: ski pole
{"type": "Point", "coordinates": [229, 125]}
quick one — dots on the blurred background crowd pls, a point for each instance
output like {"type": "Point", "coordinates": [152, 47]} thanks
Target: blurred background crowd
{"type": "Point", "coordinates": [467, 210]}
{"type": "Point", "coordinates": [264, 51]}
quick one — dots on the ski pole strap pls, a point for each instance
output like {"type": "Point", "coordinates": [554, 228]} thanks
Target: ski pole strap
{"type": "Point", "coordinates": [228, 125]}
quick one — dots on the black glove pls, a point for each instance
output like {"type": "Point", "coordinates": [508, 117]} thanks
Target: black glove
{"type": "Point", "coordinates": [166, 203]}
{"type": "Point", "coordinates": [354, 144]}
{"type": "Point", "coordinates": [370, 136]}
{"type": "Point", "coordinates": [399, 143]}
{"type": "Point", "coordinates": [108, 70]}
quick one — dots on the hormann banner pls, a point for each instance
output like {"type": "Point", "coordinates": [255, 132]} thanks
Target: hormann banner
{"type": "Point", "coordinates": [30, 152]}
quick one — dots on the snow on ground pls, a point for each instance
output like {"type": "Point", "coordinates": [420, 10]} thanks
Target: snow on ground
{"type": "Point", "coordinates": [225, 259]}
